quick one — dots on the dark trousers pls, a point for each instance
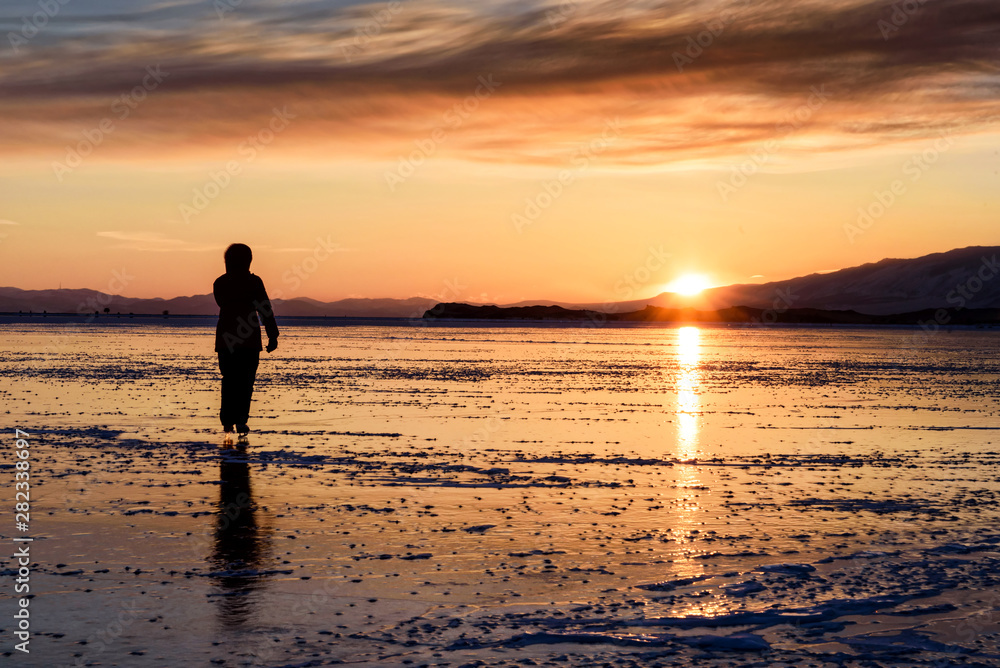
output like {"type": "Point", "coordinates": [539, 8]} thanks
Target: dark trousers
{"type": "Point", "coordinates": [239, 369]}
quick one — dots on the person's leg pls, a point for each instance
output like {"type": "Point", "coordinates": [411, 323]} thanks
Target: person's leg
{"type": "Point", "coordinates": [230, 389]}
{"type": "Point", "coordinates": [249, 360]}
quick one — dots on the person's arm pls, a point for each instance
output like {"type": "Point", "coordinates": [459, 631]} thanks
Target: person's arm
{"type": "Point", "coordinates": [216, 292]}
{"type": "Point", "coordinates": [266, 313]}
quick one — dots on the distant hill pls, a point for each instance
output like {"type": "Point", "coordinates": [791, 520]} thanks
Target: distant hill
{"type": "Point", "coordinates": [878, 288]}
{"type": "Point", "coordinates": [736, 314]}
{"type": "Point", "coordinates": [966, 278]}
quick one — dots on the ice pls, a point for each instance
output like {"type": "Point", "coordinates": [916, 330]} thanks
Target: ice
{"type": "Point", "coordinates": [763, 498]}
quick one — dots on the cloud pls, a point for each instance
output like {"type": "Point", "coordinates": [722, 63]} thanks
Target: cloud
{"type": "Point", "coordinates": [303, 249]}
{"type": "Point", "coordinates": [153, 241]}
{"type": "Point", "coordinates": [689, 80]}
{"type": "Point", "coordinates": [8, 222]}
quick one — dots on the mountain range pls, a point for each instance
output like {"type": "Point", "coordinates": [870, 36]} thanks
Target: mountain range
{"type": "Point", "coordinates": [964, 278]}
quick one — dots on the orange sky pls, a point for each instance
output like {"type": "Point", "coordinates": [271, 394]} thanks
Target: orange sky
{"type": "Point", "coordinates": [478, 151]}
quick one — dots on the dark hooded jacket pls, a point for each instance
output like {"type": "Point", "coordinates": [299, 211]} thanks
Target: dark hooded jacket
{"type": "Point", "coordinates": [242, 298]}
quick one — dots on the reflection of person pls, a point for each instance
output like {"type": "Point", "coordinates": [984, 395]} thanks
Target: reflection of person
{"type": "Point", "coordinates": [242, 545]}
{"type": "Point", "coordinates": [241, 298]}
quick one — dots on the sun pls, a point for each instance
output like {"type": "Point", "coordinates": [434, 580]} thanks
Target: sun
{"type": "Point", "coordinates": [689, 284]}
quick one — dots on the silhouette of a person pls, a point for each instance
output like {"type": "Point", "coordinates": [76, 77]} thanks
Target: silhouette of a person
{"type": "Point", "coordinates": [241, 298]}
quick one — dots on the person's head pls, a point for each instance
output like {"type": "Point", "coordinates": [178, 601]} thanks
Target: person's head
{"type": "Point", "coordinates": [238, 258]}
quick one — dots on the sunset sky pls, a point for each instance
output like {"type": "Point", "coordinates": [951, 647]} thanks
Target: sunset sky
{"type": "Point", "coordinates": [490, 151]}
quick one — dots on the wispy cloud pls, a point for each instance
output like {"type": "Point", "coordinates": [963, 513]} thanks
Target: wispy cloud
{"type": "Point", "coordinates": [153, 241]}
{"type": "Point", "coordinates": [303, 249]}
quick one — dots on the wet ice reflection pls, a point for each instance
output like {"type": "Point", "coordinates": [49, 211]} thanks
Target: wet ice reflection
{"type": "Point", "coordinates": [242, 545]}
{"type": "Point", "coordinates": [686, 415]}
{"type": "Point", "coordinates": [688, 380]}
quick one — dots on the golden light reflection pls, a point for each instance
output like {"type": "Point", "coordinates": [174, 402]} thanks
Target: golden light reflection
{"type": "Point", "coordinates": [707, 607]}
{"type": "Point", "coordinates": [686, 476]}
{"type": "Point", "coordinates": [688, 381]}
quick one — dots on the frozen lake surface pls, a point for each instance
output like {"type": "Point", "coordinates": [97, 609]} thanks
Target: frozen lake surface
{"type": "Point", "coordinates": [510, 496]}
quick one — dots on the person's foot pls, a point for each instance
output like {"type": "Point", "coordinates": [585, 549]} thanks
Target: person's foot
{"type": "Point", "coordinates": [243, 429]}
{"type": "Point", "coordinates": [228, 428]}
